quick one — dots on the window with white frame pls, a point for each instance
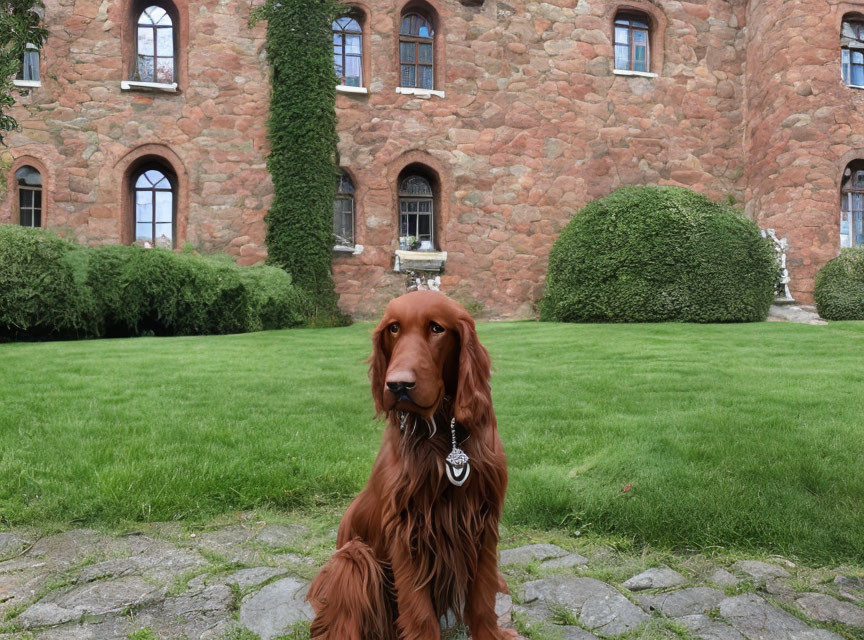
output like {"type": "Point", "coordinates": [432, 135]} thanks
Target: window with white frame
{"type": "Point", "coordinates": [852, 52]}
{"type": "Point", "coordinates": [153, 192]}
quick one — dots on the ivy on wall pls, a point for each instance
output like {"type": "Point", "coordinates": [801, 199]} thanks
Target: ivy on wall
{"type": "Point", "coordinates": [302, 133]}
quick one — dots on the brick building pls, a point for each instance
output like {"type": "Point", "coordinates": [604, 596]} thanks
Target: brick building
{"type": "Point", "coordinates": [469, 131]}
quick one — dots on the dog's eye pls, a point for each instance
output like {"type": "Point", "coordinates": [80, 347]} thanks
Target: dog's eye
{"type": "Point", "coordinates": [436, 328]}
{"type": "Point", "coordinates": [394, 328]}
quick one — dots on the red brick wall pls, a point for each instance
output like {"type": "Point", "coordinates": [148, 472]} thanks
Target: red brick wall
{"type": "Point", "coordinates": [534, 125]}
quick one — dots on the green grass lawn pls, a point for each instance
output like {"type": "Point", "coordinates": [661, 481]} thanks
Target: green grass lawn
{"type": "Point", "coordinates": [741, 436]}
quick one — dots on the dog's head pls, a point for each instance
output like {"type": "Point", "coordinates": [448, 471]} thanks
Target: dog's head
{"type": "Point", "coordinates": [424, 348]}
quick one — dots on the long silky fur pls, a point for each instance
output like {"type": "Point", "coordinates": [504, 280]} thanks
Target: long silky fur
{"type": "Point", "coordinates": [451, 532]}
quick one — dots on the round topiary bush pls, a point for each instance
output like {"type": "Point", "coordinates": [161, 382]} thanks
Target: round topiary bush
{"type": "Point", "coordinates": [840, 286]}
{"type": "Point", "coordinates": [41, 286]}
{"type": "Point", "coordinates": [654, 254]}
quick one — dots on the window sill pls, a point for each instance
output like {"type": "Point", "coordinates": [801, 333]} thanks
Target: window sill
{"type": "Point", "coordinates": [134, 85]}
{"type": "Point", "coordinates": [344, 88]}
{"type": "Point", "coordinates": [413, 91]}
{"type": "Point", "coordinates": [855, 86]}
{"type": "Point", "coordinates": [419, 261]}
{"type": "Point", "coordinates": [356, 250]}
{"type": "Point", "coordinates": [30, 84]}
{"type": "Point", "coordinates": [639, 74]}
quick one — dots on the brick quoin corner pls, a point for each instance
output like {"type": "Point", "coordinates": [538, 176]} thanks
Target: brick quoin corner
{"type": "Point", "coordinates": [748, 103]}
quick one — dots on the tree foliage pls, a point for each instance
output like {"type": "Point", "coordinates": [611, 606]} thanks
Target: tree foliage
{"type": "Point", "coordinates": [302, 133]}
{"type": "Point", "coordinates": [20, 25]}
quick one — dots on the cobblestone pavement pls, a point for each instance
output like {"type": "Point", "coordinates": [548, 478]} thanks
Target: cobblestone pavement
{"type": "Point", "coordinates": [248, 579]}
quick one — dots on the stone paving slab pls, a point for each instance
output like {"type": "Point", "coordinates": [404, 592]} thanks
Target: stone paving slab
{"type": "Point", "coordinates": [85, 585]}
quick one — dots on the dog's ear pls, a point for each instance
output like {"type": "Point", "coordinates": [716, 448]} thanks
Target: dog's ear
{"type": "Point", "coordinates": [378, 368]}
{"type": "Point", "coordinates": [473, 404]}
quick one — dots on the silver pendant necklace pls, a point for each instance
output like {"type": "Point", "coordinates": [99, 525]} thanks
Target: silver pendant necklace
{"type": "Point", "coordinates": [456, 465]}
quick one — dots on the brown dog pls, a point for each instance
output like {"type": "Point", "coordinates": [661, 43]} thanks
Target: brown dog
{"type": "Point", "coordinates": [415, 542]}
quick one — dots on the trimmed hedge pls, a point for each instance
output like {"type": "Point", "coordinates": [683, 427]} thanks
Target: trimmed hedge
{"type": "Point", "coordinates": [654, 254]}
{"type": "Point", "coordinates": [40, 286]}
{"type": "Point", "coordinates": [839, 289]}
{"type": "Point", "coordinates": [69, 291]}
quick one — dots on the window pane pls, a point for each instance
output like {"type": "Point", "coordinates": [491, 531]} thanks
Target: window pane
{"type": "Point", "coordinates": [639, 61]}
{"type": "Point", "coordinates": [146, 46]}
{"type": "Point", "coordinates": [26, 218]}
{"type": "Point", "coordinates": [145, 68]}
{"type": "Point", "coordinates": [622, 56]}
{"type": "Point", "coordinates": [352, 44]}
{"type": "Point", "coordinates": [858, 74]}
{"type": "Point", "coordinates": [640, 37]}
{"type": "Point", "coordinates": [31, 65]}
{"type": "Point", "coordinates": [637, 22]}
{"type": "Point", "coordinates": [143, 232]}
{"type": "Point", "coordinates": [857, 57]}
{"type": "Point", "coordinates": [156, 178]}
{"type": "Point", "coordinates": [423, 28]}
{"type": "Point", "coordinates": [405, 28]}
{"type": "Point", "coordinates": [353, 72]}
{"type": "Point", "coordinates": [412, 206]}
{"type": "Point", "coordinates": [412, 225]}
{"type": "Point", "coordinates": [25, 198]}
{"type": "Point", "coordinates": [37, 217]}
{"type": "Point", "coordinates": [164, 236]}
{"type": "Point", "coordinates": [622, 35]}
{"type": "Point", "coordinates": [425, 227]}
{"type": "Point", "coordinates": [337, 65]}
{"type": "Point", "coordinates": [37, 199]}
{"type": "Point", "coordinates": [859, 229]}
{"type": "Point", "coordinates": [426, 78]}
{"type": "Point", "coordinates": [165, 42]}
{"type": "Point", "coordinates": [424, 53]}
{"type": "Point", "coordinates": [164, 211]}
{"type": "Point", "coordinates": [424, 206]}
{"type": "Point", "coordinates": [144, 207]}
{"type": "Point", "coordinates": [409, 77]}
{"type": "Point", "coordinates": [165, 70]}
{"type": "Point", "coordinates": [406, 51]}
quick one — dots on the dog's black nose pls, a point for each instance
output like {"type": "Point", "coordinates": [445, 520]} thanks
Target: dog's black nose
{"type": "Point", "coordinates": [399, 388]}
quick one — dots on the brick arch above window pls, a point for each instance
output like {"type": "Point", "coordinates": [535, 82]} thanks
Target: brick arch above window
{"type": "Point", "coordinates": [656, 27]}
{"type": "Point", "coordinates": [12, 188]}
{"type": "Point", "coordinates": [127, 170]}
{"type": "Point", "coordinates": [178, 12]}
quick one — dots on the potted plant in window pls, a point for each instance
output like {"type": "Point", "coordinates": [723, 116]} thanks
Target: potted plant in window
{"type": "Point", "coordinates": [409, 243]}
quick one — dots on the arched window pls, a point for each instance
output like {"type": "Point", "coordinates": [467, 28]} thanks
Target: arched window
{"type": "Point", "coordinates": [852, 51]}
{"type": "Point", "coordinates": [417, 52]}
{"type": "Point", "coordinates": [153, 192]}
{"type": "Point", "coordinates": [632, 42]}
{"type": "Point", "coordinates": [29, 196]}
{"type": "Point", "coordinates": [416, 214]}
{"type": "Point", "coordinates": [343, 211]}
{"type": "Point", "coordinates": [348, 50]}
{"type": "Point", "coordinates": [852, 209]}
{"type": "Point", "coordinates": [155, 49]}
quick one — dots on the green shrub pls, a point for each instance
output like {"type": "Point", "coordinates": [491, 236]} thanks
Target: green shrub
{"type": "Point", "coordinates": [51, 288]}
{"type": "Point", "coordinates": [840, 286]}
{"type": "Point", "coordinates": [653, 254]}
{"type": "Point", "coordinates": [41, 286]}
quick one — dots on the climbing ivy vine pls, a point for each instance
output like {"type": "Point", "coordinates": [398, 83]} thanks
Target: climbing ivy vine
{"type": "Point", "coordinates": [302, 133]}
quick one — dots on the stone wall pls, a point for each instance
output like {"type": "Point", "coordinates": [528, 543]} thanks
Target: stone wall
{"type": "Point", "coordinates": [748, 106]}
{"type": "Point", "coordinates": [804, 125]}
{"type": "Point", "coordinates": [534, 125]}
{"type": "Point", "coordinates": [85, 131]}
